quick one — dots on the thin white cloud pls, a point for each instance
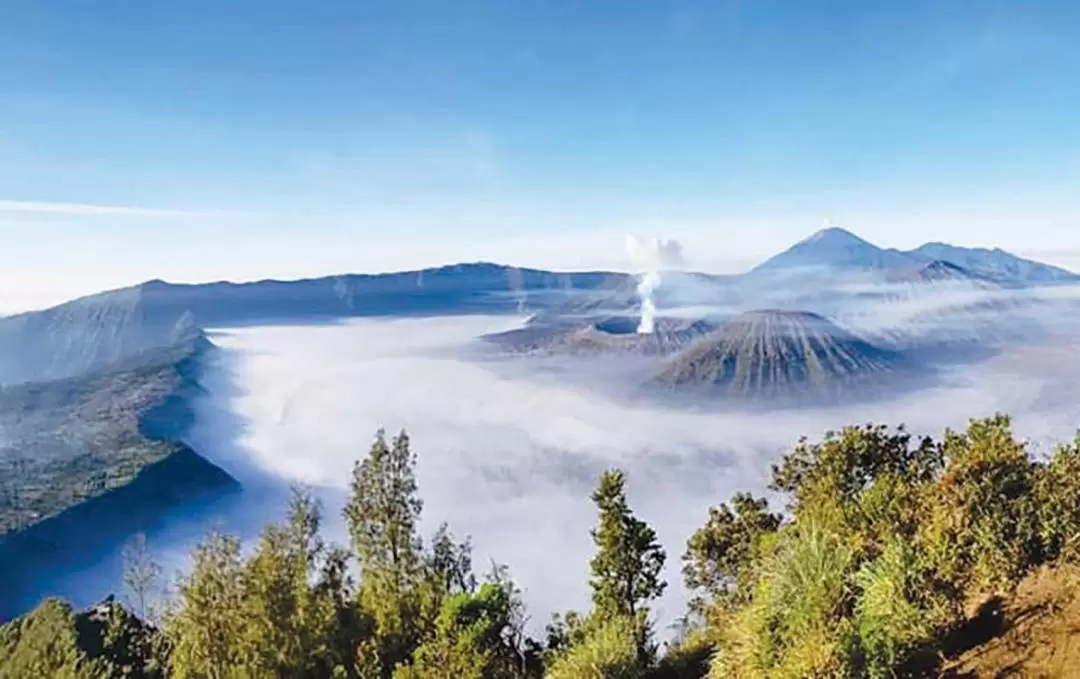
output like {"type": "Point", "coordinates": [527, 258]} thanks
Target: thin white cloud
{"type": "Point", "coordinates": [86, 209]}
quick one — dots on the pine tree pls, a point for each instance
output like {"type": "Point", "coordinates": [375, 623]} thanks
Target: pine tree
{"type": "Point", "coordinates": [289, 613]}
{"type": "Point", "coordinates": [205, 630]}
{"type": "Point", "coordinates": [626, 567]}
{"type": "Point", "coordinates": [383, 515]}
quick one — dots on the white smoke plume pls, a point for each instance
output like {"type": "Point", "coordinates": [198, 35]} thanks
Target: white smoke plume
{"type": "Point", "coordinates": [652, 256]}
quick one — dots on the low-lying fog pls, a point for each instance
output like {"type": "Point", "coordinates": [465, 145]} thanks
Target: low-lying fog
{"type": "Point", "coordinates": [509, 450]}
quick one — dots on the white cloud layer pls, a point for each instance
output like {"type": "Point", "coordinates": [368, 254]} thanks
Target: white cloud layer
{"type": "Point", "coordinates": [509, 453]}
{"type": "Point", "coordinates": [510, 450]}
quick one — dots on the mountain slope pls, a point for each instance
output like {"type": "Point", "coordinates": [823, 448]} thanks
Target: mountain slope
{"type": "Point", "coordinates": [87, 334]}
{"type": "Point", "coordinates": [835, 248]}
{"type": "Point", "coordinates": [95, 331]}
{"type": "Point", "coordinates": [995, 264]}
{"type": "Point", "coordinates": [85, 461]}
{"type": "Point", "coordinates": [460, 288]}
{"type": "Point", "coordinates": [935, 271]}
{"type": "Point", "coordinates": [777, 354]}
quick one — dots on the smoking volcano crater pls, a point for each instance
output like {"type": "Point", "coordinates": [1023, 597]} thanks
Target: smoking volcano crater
{"type": "Point", "coordinates": [619, 334]}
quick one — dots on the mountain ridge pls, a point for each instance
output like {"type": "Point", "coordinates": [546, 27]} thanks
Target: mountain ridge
{"type": "Point", "coordinates": [836, 248]}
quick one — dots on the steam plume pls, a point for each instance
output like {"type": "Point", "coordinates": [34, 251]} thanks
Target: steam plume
{"type": "Point", "coordinates": [652, 255]}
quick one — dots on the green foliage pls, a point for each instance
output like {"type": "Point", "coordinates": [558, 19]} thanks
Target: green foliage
{"type": "Point", "coordinates": [801, 599]}
{"type": "Point", "coordinates": [721, 555]}
{"type": "Point", "coordinates": [383, 515]}
{"type": "Point", "coordinates": [982, 532]}
{"type": "Point", "coordinates": [686, 658]}
{"type": "Point", "coordinates": [899, 609]}
{"type": "Point", "coordinates": [628, 561]}
{"type": "Point", "coordinates": [1058, 495]}
{"type": "Point", "coordinates": [468, 641]}
{"type": "Point", "coordinates": [206, 629]}
{"type": "Point", "coordinates": [864, 481]}
{"type": "Point", "coordinates": [44, 643]}
{"type": "Point", "coordinates": [888, 540]}
{"type": "Point", "coordinates": [608, 649]}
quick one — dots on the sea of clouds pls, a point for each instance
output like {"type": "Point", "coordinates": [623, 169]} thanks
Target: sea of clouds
{"type": "Point", "coordinates": [508, 453]}
{"type": "Point", "coordinates": [509, 450]}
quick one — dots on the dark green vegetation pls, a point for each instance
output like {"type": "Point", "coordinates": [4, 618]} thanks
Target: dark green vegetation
{"type": "Point", "coordinates": [892, 554]}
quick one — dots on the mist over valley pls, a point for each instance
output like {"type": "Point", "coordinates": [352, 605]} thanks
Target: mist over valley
{"type": "Point", "coordinates": [518, 399]}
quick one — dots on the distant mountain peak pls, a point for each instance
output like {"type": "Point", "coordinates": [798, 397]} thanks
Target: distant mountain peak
{"type": "Point", "coordinates": [835, 235]}
{"type": "Point", "coordinates": [835, 248]}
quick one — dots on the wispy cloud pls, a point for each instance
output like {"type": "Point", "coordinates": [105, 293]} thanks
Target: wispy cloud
{"type": "Point", "coordinates": [85, 209]}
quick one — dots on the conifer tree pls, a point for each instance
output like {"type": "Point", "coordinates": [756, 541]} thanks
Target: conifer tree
{"type": "Point", "coordinates": [204, 631]}
{"type": "Point", "coordinates": [383, 515]}
{"type": "Point", "coordinates": [626, 567]}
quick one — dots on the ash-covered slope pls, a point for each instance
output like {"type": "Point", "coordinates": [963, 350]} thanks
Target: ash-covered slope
{"type": "Point", "coordinates": [612, 335]}
{"type": "Point", "coordinates": [778, 354]}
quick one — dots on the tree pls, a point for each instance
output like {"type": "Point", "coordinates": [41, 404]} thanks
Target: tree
{"type": "Point", "coordinates": [43, 644]}
{"type": "Point", "coordinates": [383, 515]}
{"type": "Point", "coordinates": [865, 483]}
{"type": "Point", "coordinates": [468, 641]}
{"type": "Point", "coordinates": [204, 631]}
{"type": "Point", "coordinates": [626, 567]}
{"type": "Point", "coordinates": [720, 556]}
{"type": "Point", "coordinates": [141, 573]}
{"type": "Point", "coordinates": [290, 611]}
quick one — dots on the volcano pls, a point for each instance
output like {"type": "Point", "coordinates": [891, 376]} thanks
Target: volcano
{"type": "Point", "coordinates": [777, 354]}
{"type": "Point", "coordinates": [607, 335]}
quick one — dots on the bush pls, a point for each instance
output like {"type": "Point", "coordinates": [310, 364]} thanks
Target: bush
{"type": "Point", "coordinates": [608, 651]}
{"type": "Point", "coordinates": [1058, 496]}
{"type": "Point", "coordinates": [982, 532]}
{"type": "Point", "coordinates": [794, 625]}
{"type": "Point", "coordinates": [899, 609]}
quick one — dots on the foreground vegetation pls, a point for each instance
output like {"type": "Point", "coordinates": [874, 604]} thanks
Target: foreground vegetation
{"type": "Point", "coordinates": [889, 552]}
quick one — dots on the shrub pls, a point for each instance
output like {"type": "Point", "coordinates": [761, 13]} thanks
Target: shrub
{"type": "Point", "coordinates": [608, 651]}
{"type": "Point", "coordinates": [794, 625]}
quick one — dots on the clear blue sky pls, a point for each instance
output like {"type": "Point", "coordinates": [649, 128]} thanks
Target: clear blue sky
{"type": "Point", "coordinates": [291, 138]}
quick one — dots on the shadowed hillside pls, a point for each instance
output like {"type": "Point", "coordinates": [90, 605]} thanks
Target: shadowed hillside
{"type": "Point", "coordinates": [85, 461]}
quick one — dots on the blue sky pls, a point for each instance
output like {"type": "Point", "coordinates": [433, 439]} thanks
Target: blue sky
{"type": "Point", "coordinates": [206, 139]}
